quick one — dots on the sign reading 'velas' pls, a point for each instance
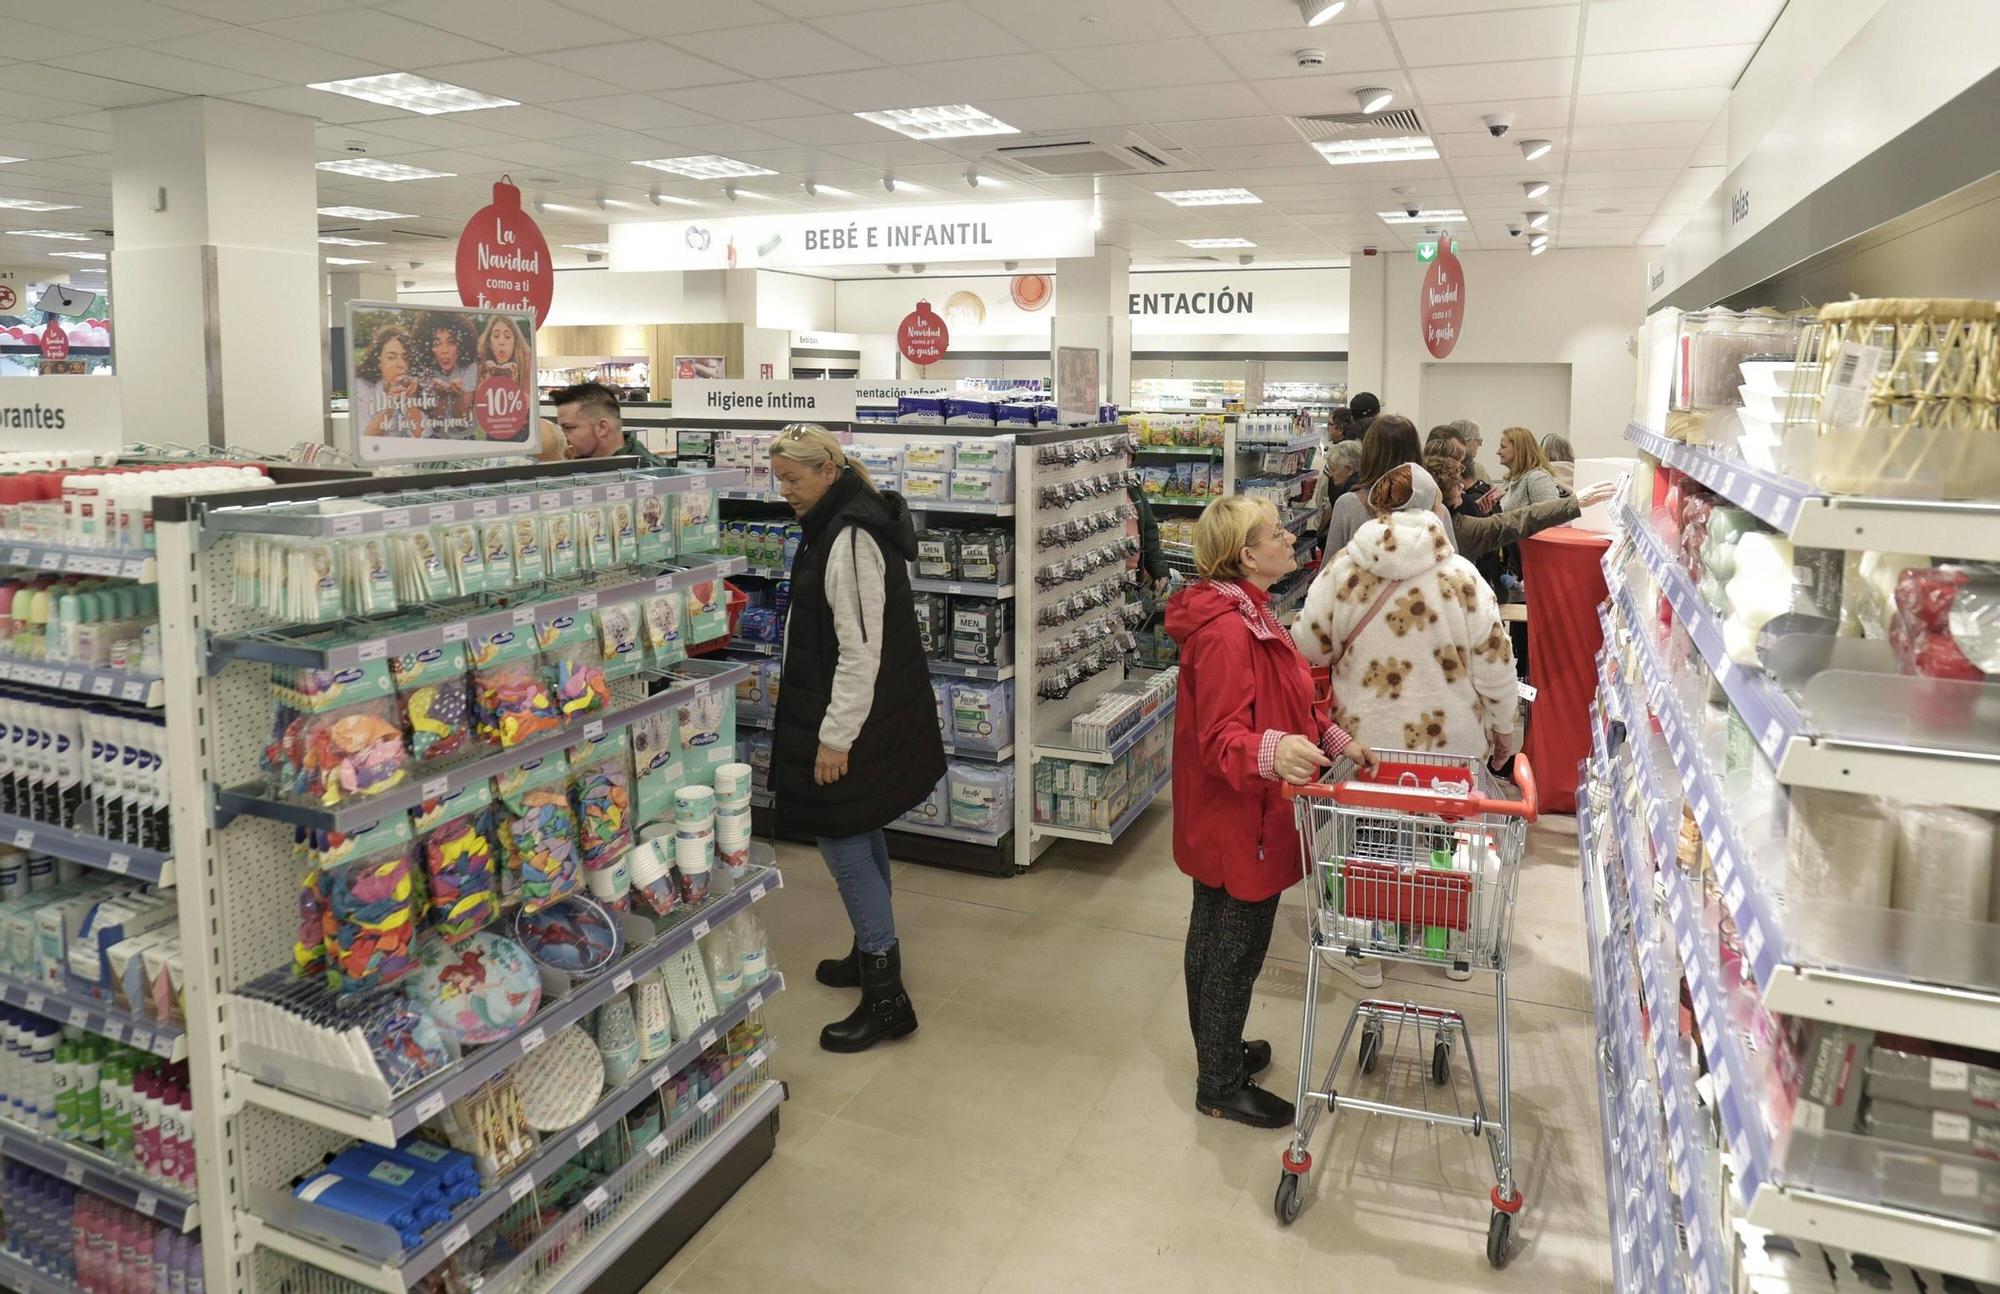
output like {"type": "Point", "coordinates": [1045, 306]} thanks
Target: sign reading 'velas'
{"type": "Point", "coordinates": [763, 401]}
{"type": "Point", "coordinates": [926, 234]}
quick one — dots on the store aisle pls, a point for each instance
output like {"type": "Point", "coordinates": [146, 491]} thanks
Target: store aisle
{"type": "Point", "coordinates": [1039, 1132]}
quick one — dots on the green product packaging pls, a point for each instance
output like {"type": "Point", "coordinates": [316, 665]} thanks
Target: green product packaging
{"type": "Point", "coordinates": [594, 538]}
{"type": "Point", "coordinates": [656, 528]}
{"type": "Point", "coordinates": [695, 521]}
{"type": "Point", "coordinates": [562, 537]}
{"type": "Point", "coordinates": [663, 624]}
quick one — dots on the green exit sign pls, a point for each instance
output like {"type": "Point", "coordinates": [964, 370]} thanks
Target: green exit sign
{"type": "Point", "coordinates": [1426, 252]}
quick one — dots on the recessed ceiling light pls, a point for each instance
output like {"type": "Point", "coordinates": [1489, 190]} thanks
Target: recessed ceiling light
{"type": "Point", "coordinates": [414, 93]}
{"type": "Point", "coordinates": [1433, 216]}
{"type": "Point", "coordinates": [706, 167]}
{"type": "Point", "coordinates": [346, 260]}
{"type": "Point", "coordinates": [63, 235]}
{"type": "Point", "coordinates": [1352, 152]}
{"type": "Point", "coordinates": [369, 168]}
{"type": "Point", "coordinates": [1316, 12]}
{"type": "Point", "coordinates": [1209, 197]}
{"type": "Point", "coordinates": [948, 121]}
{"type": "Point", "coordinates": [1217, 242]}
{"type": "Point", "coordinates": [1535, 189]}
{"type": "Point", "coordinates": [588, 247]}
{"type": "Point", "coordinates": [364, 213]}
{"type": "Point", "coordinates": [30, 204]}
{"type": "Point", "coordinates": [1538, 219]}
{"type": "Point", "coordinates": [1536, 149]}
{"type": "Point", "coordinates": [657, 198]}
{"type": "Point", "coordinates": [1539, 241]}
{"type": "Point", "coordinates": [334, 240]}
{"type": "Point", "coordinates": [80, 256]}
{"type": "Point", "coordinates": [6, 160]}
{"type": "Point", "coordinates": [1538, 248]}
{"type": "Point", "coordinates": [1373, 98]}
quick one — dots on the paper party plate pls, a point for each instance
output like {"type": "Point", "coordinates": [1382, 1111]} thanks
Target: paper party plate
{"type": "Point", "coordinates": [575, 936]}
{"type": "Point", "coordinates": [560, 1081]}
{"type": "Point", "coordinates": [479, 991]}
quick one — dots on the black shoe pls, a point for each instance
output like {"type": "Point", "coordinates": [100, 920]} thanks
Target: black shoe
{"type": "Point", "coordinates": [841, 972]}
{"type": "Point", "coordinates": [1250, 1104]}
{"type": "Point", "coordinates": [1256, 1058]}
{"type": "Point", "coordinates": [885, 1010]}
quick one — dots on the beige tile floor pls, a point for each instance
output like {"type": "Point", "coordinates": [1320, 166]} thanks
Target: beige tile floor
{"type": "Point", "coordinates": [1038, 1133]}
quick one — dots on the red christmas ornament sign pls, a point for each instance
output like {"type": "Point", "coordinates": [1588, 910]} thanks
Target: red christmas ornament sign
{"type": "Point", "coordinates": [1441, 303]}
{"type": "Point", "coordinates": [503, 260]}
{"type": "Point", "coordinates": [55, 342]}
{"type": "Point", "coordinates": [923, 337]}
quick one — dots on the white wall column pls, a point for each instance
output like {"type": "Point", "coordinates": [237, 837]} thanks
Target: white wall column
{"type": "Point", "coordinates": [217, 266]}
{"type": "Point", "coordinates": [1367, 324]}
{"type": "Point", "coordinates": [1093, 308]}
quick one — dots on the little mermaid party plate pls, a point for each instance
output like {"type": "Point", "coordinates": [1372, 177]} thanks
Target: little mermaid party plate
{"type": "Point", "coordinates": [575, 936]}
{"type": "Point", "coordinates": [479, 991]}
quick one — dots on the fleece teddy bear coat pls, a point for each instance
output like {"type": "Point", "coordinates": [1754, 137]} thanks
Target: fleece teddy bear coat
{"type": "Point", "coordinates": [1434, 670]}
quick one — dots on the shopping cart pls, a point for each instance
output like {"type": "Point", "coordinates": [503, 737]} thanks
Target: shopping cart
{"type": "Point", "coordinates": [1414, 862]}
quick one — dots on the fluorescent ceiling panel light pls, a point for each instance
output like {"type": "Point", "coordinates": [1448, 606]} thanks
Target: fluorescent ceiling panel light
{"type": "Point", "coordinates": [1536, 149]}
{"type": "Point", "coordinates": [345, 260]}
{"type": "Point", "coordinates": [334, 240]}
{"type": "Point", "coordinates": [371, 168]}
{"type": "Point", "coordinates": [1440, 216]}
{"type": "Point", "coordinates": [414, 93]}
{"type": "Point", "coordinates": [1373, 98]}
{"type": "Point", "coordinates": [1209, 197]}
{"type": "Point", "coordinates": [1217, 242]}
{"type": "Point", "coordinates": [947, 121]}
{"type": "Point", "coordinates": [1538, 219]}
{"type": "Point", "coordinates": [81, 256]}
{"type": "Point", "coordinates": [6, 160]}
{"type": "Point", "coordinates": [364, 213]}
{"type": "Point", "coordinates": [63, 235]}
{"type": "Point", "coordinates": [588, 247]}
{"type": "Point", "coordinates": [1535, 189]}
{"type": "Point", "coordinates": [30, 204]}
{"type": "Point", "coordinates": [1316, 12]}
{"type": "Point", "coordinates": [706, 167]}
{"type": "Point", "coordinates": [1352, 152]}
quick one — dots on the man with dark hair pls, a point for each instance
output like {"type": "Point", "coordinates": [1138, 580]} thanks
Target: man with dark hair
{"type": "Point", "coordinates": [1362, 406]}
{"type": "Point", "coordinates": [593, 426]}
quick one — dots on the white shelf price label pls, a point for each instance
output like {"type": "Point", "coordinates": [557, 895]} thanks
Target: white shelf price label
{"type": "Point", "coordinates": [524, 616]}
{"type": "Point", "coordinates": [430, 1107]}
{"type": "Point", "coordinates": [344, 526]}
{"type": "Point", "coordinates": [453, 633]}
{"type": "Point", "coordinates": [708, 1102]}
{"type": "Point", "coordinates": [532, 1039]}
{"type": "Point", "coordinates": [134, 690]}
{"type": "Point", "coordinates": [72, 680]}
{"type": "Point", "coordinates": [146, 1204]}
{"type": "Point", "coordinates": [118, 861]}
{"type": "Point", "coordinates": [442, 512]}
{"type": "Point", "coordinates": [24, 838]}
{"type": "Point", "coordinates": [657, 1146]}
{"type": "Point", "coordinates": [114, 1030]}
{"type": "Point", "coordinates": [596, 1200]}
{"type": "Point", "coordinates": [456, 1238]}
{"type": "Point", "coordinates": [374, 649]}
{"type": "Point", "coordinates": [582, 496]}
{"type": "Point", "coordinates": [621, 981]}
{"type": "Point", "coordinates": [586, 1134]}
{"type": "Point", "coordinates": [519, 503]}
{"type": "Point", "coordinates": [664, 584]}
{"type": "Point", "coordinates": [73, 1174]}
{"type": "Point", "coordinates": [586, 602]}
{"type": "Point", "coordinates": [548, 500]}
{"type": "Point", "coordinates": [593, 730]}
{"type": "Point", "coordinates": [1753, 941]}
{"type": "Point", "coordinates": [486, 507]}
{"type": "Point", "coordinates": [756, 1001]}
{"type": "Point", "coordinates": [700, 929]}
{"type": "Point", "coordinates": [145, 1041]}
{"type": "Point", "coordinates": [33, 1002]}
{"type": "Point", "coordinates": [517, 1190]}
{"type": "Point", "coordinates": [436, 788]}
{"type": "Point", "coordinates": [758, 891]}
{"type": "Point", "coordinates": [101, 685]}
{"type": "Point", "coordinates": [79, 1018]}
{"type": "Point", "coordinates": [755, 1058]}
{"type": "Point", "coordinates": [17, 557]}
{"type": "Point", "coordinates": [661, 1077]}
{"type": "Point", "coordinates": [396, 519]}
{"type": "Point", "coordinates": [613, 493]}
{"type": "Point", "coordinates": [707, 1039]}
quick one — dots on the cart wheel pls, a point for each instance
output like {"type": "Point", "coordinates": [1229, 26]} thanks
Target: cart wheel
{"type": "Point", "coordinates": [1441, 1062]}
{"type": "Point", "coordinates": [1289, 1199]}
{"type": "Point", "coordinates": [1371, 1048]}
{"type": "Point", "coordinates": [1499, 1239]}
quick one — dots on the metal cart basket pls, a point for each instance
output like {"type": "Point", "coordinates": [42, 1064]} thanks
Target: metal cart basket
{"type": "Point", "coordinates": [1416, 861]}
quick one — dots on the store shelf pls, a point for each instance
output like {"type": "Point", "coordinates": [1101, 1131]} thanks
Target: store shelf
{"type": "Point", "coordinates": [1802, 757]}
{"type": "Point", "coordinates": [973, 589]}
{"type": "Point", "coordinates": [768, 572]}
{"type": "Point", "coordinates": [296, 646]}
{"type": "Point", "coordinates": [760, 649]}
{"type": "Point", "coordinates": [427, 1100]}
{"type": "Point", "coordinates": [76, 559]}
{"type": "Point", "coordinates": [1176, 451]}
{"type": "Point", "coordinates": [16, 1275]}
{"type": "Point", "coordinates": [761, 722]}
{"type": "Point", "coordinates": [1303, 441]}
{"type": "Point", "coordinates": [965, 834]}
{"type": "Point", "coordinates": [950, 505]}
{"type": "Point", "coordinates": [1298, 520]}
{"type": "Point", "coordinates": [79, 1012]}
{"type": "Point", "coordinates": [1809, 516]}
{"type": "Point", "coordinates": [980, 754]}
{"type": "Point", "coordinates": [1936, 1244]}
{"type": "Point", "coordinates": [752, 496]}
{"type": "Point", "coordinates": [1287, 483]}
{"type": "Point", "coordinates": [89, 1171]}
{"type": "Point", "coordinates": [93, 681]}
{"type": "Point", "coordinates": [1180, 500]}
{"type": "Point", "coordinates": [91, 851]}
{"type": "Point", "coordinates": [1117, 749]}
{"type": "Point", "coordinates": [952, 669]}
{"type": "Point", "coordinates": [1125, 820]}
{"type": "Point", "coordinates": [405, 1271]}
{"type": "Point", "coordinates": [256, 800]}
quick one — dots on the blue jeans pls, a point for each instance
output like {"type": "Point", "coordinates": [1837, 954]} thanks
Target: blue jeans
{"type": "Point", "coordinates": [860, 867]}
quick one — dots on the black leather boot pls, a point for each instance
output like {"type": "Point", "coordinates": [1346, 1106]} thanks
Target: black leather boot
{"type": "Point", "coordinates": [841, 972]}
{"type": "Point", "coordinates": [1256, 1057]}
{"type": "Point", "coordinates": [1249, 1104]}
{"type": "Point", "coordinates": [885, 1010]}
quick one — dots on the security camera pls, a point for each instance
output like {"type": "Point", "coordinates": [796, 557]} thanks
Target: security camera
{"type": "Point", "coordinates": [1410, 208]}
{"type": "Point", "coordinates": [1311, 57]}
{"type": "Point", "coordinates": [354, 146]}
{"type": "Point", "coordinates": [1498, 123]}
{"type": "Point", "coordinates": [1513, 231]}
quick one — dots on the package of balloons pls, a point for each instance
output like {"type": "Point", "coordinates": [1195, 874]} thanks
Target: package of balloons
{"type": "Point", "coordinates": [601, 782]}
{"type": "Point", "coordinates": [538, 833]}
{"type": "Point", "coordinates": [373, 899]}
{"type": "Point", "coordinates": [336, 735]}
{"type": "Point", "coordinates": [511, 701]}
{"type": "Point", "coordinates": [461, 863]}
{"type": "Point", "coordinates": [432, 688]}
{"type": "Point", "coordinates": [573, 665]}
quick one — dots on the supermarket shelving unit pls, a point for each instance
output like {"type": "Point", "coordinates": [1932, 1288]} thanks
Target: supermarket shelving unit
{"type": "Point", "coordinates": [261, 1119]}
{"type": "Point", "coordinates": [1822, 723]}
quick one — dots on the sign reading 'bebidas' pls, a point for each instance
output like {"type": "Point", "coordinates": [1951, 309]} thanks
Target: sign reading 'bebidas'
{"type": "Point", "coordinates": [764, 401]}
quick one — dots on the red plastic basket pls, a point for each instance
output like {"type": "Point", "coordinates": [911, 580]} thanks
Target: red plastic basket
{"type": "Point", "coordinates": [738, 599]}
{"type": "Point", "coordinates": [1380, 892]}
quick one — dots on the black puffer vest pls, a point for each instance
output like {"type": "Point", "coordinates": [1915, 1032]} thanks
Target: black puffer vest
{"type": "Point", "coordinates": [899, 756]}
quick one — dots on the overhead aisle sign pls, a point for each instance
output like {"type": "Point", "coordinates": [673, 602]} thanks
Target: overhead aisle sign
{"type": "Point", "coordinates": [880, 235]}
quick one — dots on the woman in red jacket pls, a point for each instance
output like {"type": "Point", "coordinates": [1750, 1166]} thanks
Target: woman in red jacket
{"type": "Point", "coordinates": [1247, 721]}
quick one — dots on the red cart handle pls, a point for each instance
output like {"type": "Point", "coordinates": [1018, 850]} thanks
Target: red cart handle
{"type": "Point", "coordinates": [1384, 795]}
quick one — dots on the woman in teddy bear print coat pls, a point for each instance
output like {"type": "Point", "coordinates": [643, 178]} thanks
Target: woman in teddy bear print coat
{"type": "Point", "coordinates": [1421, 660]}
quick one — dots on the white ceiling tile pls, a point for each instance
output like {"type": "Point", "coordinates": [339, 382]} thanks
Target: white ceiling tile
{"type": "Point", "coordinates": [828, 8]}
{"type": "Point", "coordinates": [440, 132]}
{"type": "Point", "coordinates": [162, 71]}
{"type": "Point", "coordinates": [29, 42]}
{"type": "Point", "coordinates": [676, 17]}
{"type": "Point", "coordinates": [320, 105]}
{"type": "Point", "coordinates": [382, 37]}
{"type": "Point", "coordinates": [824, 128]}
{"type": "Point", "coordinates": [68, 90]}
{"type": "Point", "coordinates": [1016, 75]}
{"type": "Point", "coordinates": [1537, 78]}
{"type": "Point", "coordinates": [920, 33]}
{"type": "Point", "coordinates": [525, 122]}
{"type": "Point", "coordinates": [1630, 25]}
{"type": "Point", "coordinates": [1666, 69]}
{"type": "Point", "coordinates": [642, 65]}
{"type": "Point", "coordinates": [523, 26]}
{"type": "Point", "coordinates": [616, 145]}
{"type": "Point", "coordinates": [1488, 163]}
{"type": "Point", "coordinates": [1489, 37]}
{"type": "Point", "coordinates": [1629, 159]}
{"type": "Point", "coordinates": [524, 79]}
{"type": "Point", "coordinates": [789, 160]}
{"type": "Point", "coordinates": [528, 152]}
{"type": "Point", "coordinates": [891, 153]}
{"type": "Point", "coordinates": [1297, 96]}
{"type": "Point", "coordinates": [753, 101]}
{"type": "Point", "coordinates": [1153, 64]}
{"type": "Point", "coordinates": [1655, 134]}
{"type": "Point", "coordinates": [98, 120]}
{"type": "Point", "coordinates": [1530, 115]}
{"type": "Point", "coordinates": [1259, 54]}
{"type": "Point", "coordinates": [245, 49]}
{"type": "Point", "coordinates": [632, 112]}
{"type": "Point", "coordinates": [863, 91]}
{"type": "Point", "coordinates": [1701, 105]}
{"type": "Point", "coordinates": [786, 49]}
{"type": "Point", "coordinates": [255, 11]}
{"type": "Point", "coordinates": [1228, 99]}
{"type": "Point", "coordinates": [727, 138]}
{"type": "Point", "coordinates": [130, 21]}
{"type": "Point", "coordinates": [1238, 130]}
{"type": "Point", "coordinates": [1212, 19]}
{"type": "Point", "coordinates": [1067, 113]}
{"type": "Point", "coordinates": [1069, 24]}
{"type": "Point", "coordinates": [1594, 181]}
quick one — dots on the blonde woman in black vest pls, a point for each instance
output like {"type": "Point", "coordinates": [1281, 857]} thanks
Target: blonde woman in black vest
{"type": "Point", "coordinates": [857, 742]}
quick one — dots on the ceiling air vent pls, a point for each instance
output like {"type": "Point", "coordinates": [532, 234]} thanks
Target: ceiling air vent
{"type": "Point", "coordinates": [1128, 154]}
{"type": "Point", "coordinates": [1358, 125]}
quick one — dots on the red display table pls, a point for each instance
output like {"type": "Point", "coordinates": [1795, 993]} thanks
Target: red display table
{"type": "Point", "coordinates": [1563, 571]}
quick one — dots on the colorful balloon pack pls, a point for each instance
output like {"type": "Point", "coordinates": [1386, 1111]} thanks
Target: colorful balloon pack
{"type": "Point", "coordinates": [462, 866]}
{"type": "Point", "coordinates": [336, 734]}
{"type": "Point", "coordinates": [538, 832]}
{"type": "Point", "coordinates": [436, 700]}
{"type": "Point", "coordinates": [574, 665]}
{"type": "Point", "coordinates": [601, 775]}
{"type": "Point", "coordinates": [372, 903]}
{"type": "Point", "coordinates": [512, 703]}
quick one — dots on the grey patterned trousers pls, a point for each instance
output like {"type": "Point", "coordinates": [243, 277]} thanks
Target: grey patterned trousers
{"type": "Point", "coordinates": [1226, 942]}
